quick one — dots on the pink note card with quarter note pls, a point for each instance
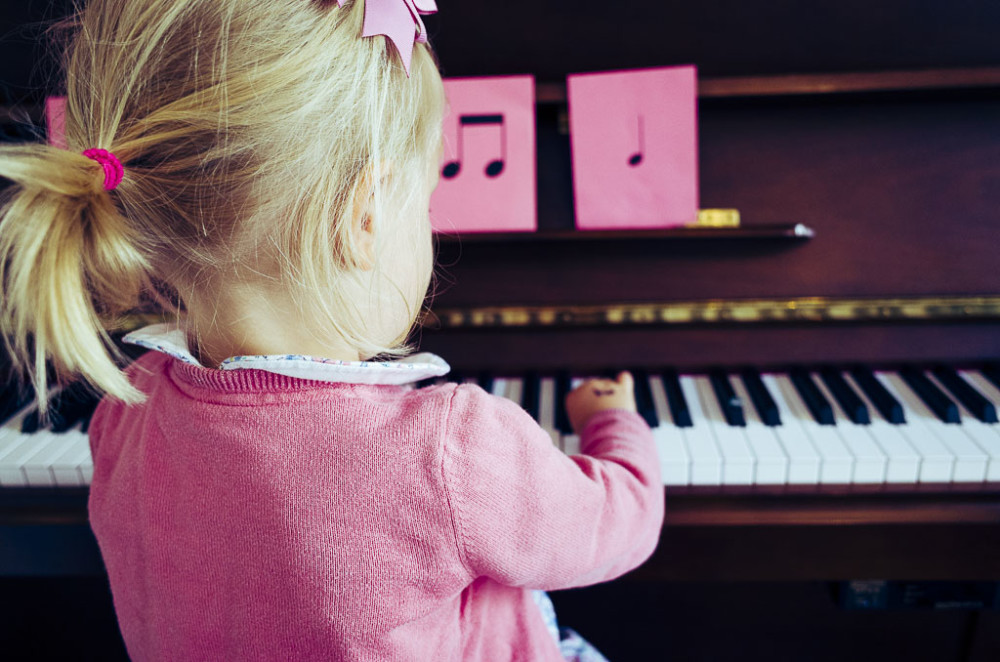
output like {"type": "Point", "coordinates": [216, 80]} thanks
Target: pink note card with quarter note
{"type": "Point", "coordinates": [55, 121]}
{"type": "Point", "coordinates": [488, 165]}
{"type": "Point", "coordinates": [635, 148]}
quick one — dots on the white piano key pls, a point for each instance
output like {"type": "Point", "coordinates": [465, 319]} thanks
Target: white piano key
{"type": "Point", "coordinates": [499, 387]}
{"type": "Point", "coordinates": [771, 462]}
{"type": "Point", "coordinates": [985, 435]}
{"type": "Point", "coordinates": [11, 473]}
{"type": "Point", "coordinates": [515, 388]}
{"type": "Point", "coordinates": [804, 461]}
{"type": "Point", "coordinates": [969, 460]}
{"type": "Point", "coordinates": [984, 386]}
{"type": "Point", "coordinates": [547, 408]}
{"type": "Point", "coordinates": [14, 447]}
{"type": "Point", "coordinates": [937, 464]}
{"type": "Point", "coordinates": [11, 428]}
{"type": "Point", "coordinates": [737, 460]}
{"type": "Point", "coordinates": [66, 468]}
{"type": "Point", "coordinates": [869, 460]}
{"type": "Point", "coordinates": [570, 443]}
{"type": "Point", "coordinates": [671, 446]}
{"type": "Point", "coordinates": [903, 464]}
{"type": "Point", "coordinates": [706, 460]}
{"type": "Point", "coordinates": [836, 462]}
{"type": "Point", "coordinates": [10, 439]}
{"type": "Point", "coordinates": [36, 469]}
{"type": "Point", "coordinates": [86, 469]}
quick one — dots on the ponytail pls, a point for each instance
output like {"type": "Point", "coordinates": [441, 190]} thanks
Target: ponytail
{"type": "Point", "coordinates": [67, 259]}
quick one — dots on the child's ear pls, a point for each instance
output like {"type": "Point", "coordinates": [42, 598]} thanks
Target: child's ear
{"type": "Point", "coordinates": [363, 233]}
{"type": "Point", "coordinates": [363, 219]}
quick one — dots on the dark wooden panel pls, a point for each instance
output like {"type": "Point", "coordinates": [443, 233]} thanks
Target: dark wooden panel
{"type": "Point", "coordinates": [723, 37]}
{"type": "Point", "coordinates": [551, 38]}
{"type": "Point", "coordinates": [952, 552]}
{"type": "Point", "coordinates": [59, 618]}
{"type": "Point", "coordinates": [986, 643]}
{"type": "Point", "coordinates": [754, 622]}
{"type": "Point", "coordinates": [699, 347]}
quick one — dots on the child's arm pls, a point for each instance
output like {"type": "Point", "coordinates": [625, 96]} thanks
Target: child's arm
{"type": "Point", "coordinates": [525, 514]}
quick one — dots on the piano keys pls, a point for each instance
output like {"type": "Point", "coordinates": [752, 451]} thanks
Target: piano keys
{"type": "Point", "coordinates": [865, 429]}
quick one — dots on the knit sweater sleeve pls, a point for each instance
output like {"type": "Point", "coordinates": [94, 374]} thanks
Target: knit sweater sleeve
{"type": "Point", "coordinates": [527, 515]}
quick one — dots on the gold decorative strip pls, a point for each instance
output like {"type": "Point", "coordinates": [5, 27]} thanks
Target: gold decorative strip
{"type": "Point", "coordinates": [745, 311]}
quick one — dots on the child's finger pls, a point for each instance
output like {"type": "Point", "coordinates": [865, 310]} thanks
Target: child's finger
{"type": "Point", "coordinates": [625, 379]}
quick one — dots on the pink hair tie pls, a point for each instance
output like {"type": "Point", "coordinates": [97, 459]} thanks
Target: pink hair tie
{"type": "Point", "coordinates": [113, 170]}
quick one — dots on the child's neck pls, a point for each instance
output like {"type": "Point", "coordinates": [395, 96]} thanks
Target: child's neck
{"type": "Point", "coordinates": [240, 325]}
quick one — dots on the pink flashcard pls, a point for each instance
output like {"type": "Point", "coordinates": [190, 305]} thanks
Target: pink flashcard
{"type": "Point", "coordinates": [488, 167]}
{"type": "Point", "coordinates": [55, 119]}
{"type": "Point", "coordinates": [635, 148]}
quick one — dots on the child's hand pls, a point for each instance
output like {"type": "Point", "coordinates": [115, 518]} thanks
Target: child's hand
{"type": "Point", "coordinates": [596, 395]}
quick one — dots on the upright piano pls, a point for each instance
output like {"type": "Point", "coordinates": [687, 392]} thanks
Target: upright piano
{"type": "Point", "coordinates": [820, 379]}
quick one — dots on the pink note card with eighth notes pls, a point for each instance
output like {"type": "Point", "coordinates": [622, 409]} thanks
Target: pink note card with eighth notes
{"type": "Point", "coordinates": [488, 166]}
{"type": "Point", "coordinates": [635, 148]}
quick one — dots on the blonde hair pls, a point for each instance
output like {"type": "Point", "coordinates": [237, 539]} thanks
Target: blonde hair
{"type": "Point", "coordinates": [246, 130]}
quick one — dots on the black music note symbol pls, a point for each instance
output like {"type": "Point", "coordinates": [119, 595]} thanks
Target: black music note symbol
{"type": "Point", "coordinates": [493, 168]}
{"type": "Point", "coordinates": [636, 158]}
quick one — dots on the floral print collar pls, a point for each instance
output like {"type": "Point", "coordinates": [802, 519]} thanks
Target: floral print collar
{"type": "Point", "coordinates": [170, 339]}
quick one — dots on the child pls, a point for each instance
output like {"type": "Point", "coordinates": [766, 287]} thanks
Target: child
{"type": "Point", "coordinates": [263, 489]}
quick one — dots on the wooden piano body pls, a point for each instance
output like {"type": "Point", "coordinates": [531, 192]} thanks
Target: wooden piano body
{"type": "Point", "coordinates": [879, 129]}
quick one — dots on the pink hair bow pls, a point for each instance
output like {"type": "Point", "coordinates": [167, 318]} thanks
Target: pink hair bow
{"type": "Point", "coordinates": [399, 21]}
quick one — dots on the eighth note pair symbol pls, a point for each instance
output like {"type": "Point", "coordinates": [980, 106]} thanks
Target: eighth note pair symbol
{"type": "Point", "coordinates": [494, 167]}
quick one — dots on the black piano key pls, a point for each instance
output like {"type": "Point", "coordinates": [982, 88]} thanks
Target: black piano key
{"type": "Point", "coordinates": [818, 405]}
{"type": "Point", "coordinates": [935, 399]}
{"type": "Point", "coordinates": [61, 410]}
{"type": "Point", "coordinates": [885, 402]}
{"type": "Point", "coordinates": [644, 398]}
{"type": "Point", "coordinates": [761, 398]}
{"type": "Point", "coordinates": [485, 380]}
{"type": "Point", "coordinates": [31, 422]}
{"type": "Point", "coordinates": [12, 400]}
{"type": "Point", "coordinates": [675, 399]}
{"type": "Point", "coordinates": [992, 372]}
{"type": "Point", "coordinates": [564, 384]}
{"type": "Point", "coordinates": [73, 404]}
{"type": "Point", "coordinates": [732, 406]}
{"type": "Point", "coordinates": [852, 404]}
{"type": "Point", "coordinates": [973, 400]}
{"type": "Point", "coordinates": [530, 394]}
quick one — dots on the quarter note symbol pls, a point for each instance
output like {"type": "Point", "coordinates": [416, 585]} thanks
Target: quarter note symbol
{"type": "Point", "coordinates": [494, 167]}
{"type": "Point", "coordinates": [636, 158]}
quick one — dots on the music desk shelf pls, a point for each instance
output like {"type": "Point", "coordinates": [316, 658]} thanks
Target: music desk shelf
{"type": "Point", "coordinates": [789, 231]}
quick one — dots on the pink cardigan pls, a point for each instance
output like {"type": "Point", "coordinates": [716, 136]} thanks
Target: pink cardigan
{"type": "Point", "coordinates": [246, 515]}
